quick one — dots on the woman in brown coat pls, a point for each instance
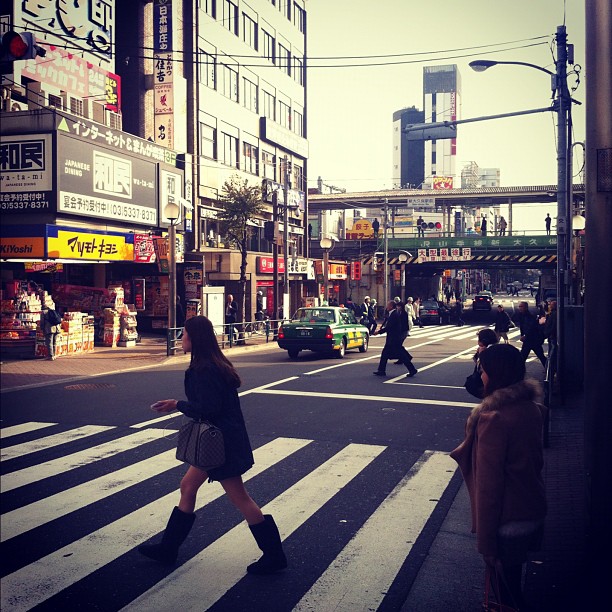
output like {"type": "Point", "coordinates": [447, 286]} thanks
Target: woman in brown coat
{"type": "Point", "coordinates": [501, 459]}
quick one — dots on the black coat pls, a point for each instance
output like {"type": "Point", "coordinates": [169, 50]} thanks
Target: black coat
{"type": "Point", "coordinates": [395, 334]}
{"type": "Point", "coordinates": [210, 398]}
{"type": "Point", "coordinates": [502, 321]}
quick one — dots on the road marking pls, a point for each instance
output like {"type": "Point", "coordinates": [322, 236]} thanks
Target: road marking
{"type": "Point", "coordinates": [35, 583]}
{"type": "Point", "coordinates": [15, 430]}
{"type": "Point", "coordinates": [242, 393]}
{"type": "Point", "coordinates": [19, 450]}
{"type": "Point", "coordinates": [224, 562]}
{"type": "Point", "coordinates": [357, 579]}
{"type": "Point", "coordinates": [369, 398]}
{"type": "Point", "coordinates": [60, 465]}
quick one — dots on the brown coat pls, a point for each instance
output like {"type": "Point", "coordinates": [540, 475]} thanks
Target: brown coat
{"type": "Point", "coordinates": [501, 460]}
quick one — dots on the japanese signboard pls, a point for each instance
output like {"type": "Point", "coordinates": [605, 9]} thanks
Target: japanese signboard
{"type": "Point", "coordinates": [442, 182]}
{"type": "Point", "coordinates": [444, 254]}
{"type": "Point", "coordinates": [144, 251]}
{"type": "Point", "coordinates": [163, 76]}
{"type": "Point", "coordinates": [70, 243]}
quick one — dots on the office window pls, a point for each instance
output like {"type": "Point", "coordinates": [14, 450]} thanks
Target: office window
{"type": "Point", "coordinates": [208, 141]}
{"type": "Point", "coordinates": [298, 123]}
{"type": "Point", "coordinates": [249, 31]}
{"type": "Point", "coordinates": [250, 158]}
{"type": "Point", "coordinates": [284, 6]}
{"type": "Point", "coordinates": [298, 70]}
{"type": "Point", "coordinates": [230, 82]}
{"type": "Point", "coordinates": [284, 59]}
{"type": "Point", "coordinates": [267, 161]}
{"type": "Point", "coordinates": [229, 153]}
{"type": "Point", "coordinates": [210, 7]}
{"type": "Point", "coordinates": [230, 16]}
{"type": "Point", "coordinates": [299, 18]}
{"type": "Point", "coordinates": [269, 105]}
{"type": "Point", "coordinates": [207, 69]}
{"type": "Point", "coordinates": [249, 95]}
{"type": "Point", "coordinates": [267, 44]}
{"type": "Point", "coordinates": [298, 178]}
{"type": "Point", "coordinates": [284, 114]}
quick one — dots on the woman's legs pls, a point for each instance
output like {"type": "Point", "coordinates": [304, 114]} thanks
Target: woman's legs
{"type": "Point", "coordinates": [193, 479]}
{"type": "Point", "coordinates": [238, 495]}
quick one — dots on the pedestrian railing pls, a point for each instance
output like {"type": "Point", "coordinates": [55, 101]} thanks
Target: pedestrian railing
{"type": "Point", "coordinates": [173, 340]}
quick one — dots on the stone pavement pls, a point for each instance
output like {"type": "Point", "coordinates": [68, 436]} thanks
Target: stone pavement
{"type": "Point", "coordinates": [451, 578]}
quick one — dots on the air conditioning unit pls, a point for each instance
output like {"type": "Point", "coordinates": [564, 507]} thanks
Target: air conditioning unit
{"type": "Point", "coordinates": [16, 105]}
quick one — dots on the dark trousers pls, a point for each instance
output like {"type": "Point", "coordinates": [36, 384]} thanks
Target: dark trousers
{"type": "Point", "coordinates": [393, 352]}
{"type": "Point", "coordinates": [536, 348]}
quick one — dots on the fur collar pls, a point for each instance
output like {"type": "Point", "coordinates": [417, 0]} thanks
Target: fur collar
{"type": "Point", "coordinates": [527, 390]}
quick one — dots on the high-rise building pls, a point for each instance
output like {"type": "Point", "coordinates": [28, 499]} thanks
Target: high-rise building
{"type": "Point", "coordinates": [408, 155]}
{"type": "Point", "coordinates": [441, 102]}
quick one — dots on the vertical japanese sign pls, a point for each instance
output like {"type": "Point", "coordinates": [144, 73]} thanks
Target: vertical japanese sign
{"type": "Point", "coordinates": [163, 73]}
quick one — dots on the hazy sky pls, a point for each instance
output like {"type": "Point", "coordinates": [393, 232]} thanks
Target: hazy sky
{"type": "Point", "coordinates": [351, 108]}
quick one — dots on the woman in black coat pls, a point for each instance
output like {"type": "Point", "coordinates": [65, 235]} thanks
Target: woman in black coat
{"type": "Point", "coordinates": [211, 387]}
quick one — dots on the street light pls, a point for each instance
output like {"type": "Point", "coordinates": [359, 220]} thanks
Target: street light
{"type": "Point", "coordinates": [172, 212]}
{"type": "Point", "coordinates": [326, 244]}
{"type": "Point", "coordinates": [562, 108]}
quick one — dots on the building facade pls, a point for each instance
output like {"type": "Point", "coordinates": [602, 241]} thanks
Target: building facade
{"type": "Point", "coordinates": [408, 155]}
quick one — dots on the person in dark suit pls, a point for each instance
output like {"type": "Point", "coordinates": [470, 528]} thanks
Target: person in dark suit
{"type": "Point", "coordinates": [211, 387]}
{"type": "Point", "coordinates": [393, 345]}
{"type": "Point", "coordinates": [231, 312]}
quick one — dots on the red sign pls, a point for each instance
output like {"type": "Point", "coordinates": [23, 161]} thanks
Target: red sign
{"type": "Point", "coordinates": [355, 270]}
{"type": "Point", "coordinates": [442, 182]}
{"type": "Point", "coordinates": [265, 265]}
{"type": "Point", "coordinates": [144, 251]}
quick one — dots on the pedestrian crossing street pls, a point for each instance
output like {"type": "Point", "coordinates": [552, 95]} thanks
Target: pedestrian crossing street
{"type": "Point", "coordinates": [77, 502]}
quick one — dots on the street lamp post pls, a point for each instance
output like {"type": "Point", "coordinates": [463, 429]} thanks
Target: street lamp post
{"type": "Point", "coordinates": [403, 258]}
{"type": "Point", "coordinates": [561, 107]}
{"type": "Point", "coordinates": [171, 212]}
{"type": "Point", "coordinates": [386, 251]}
{"type": "Point", "coordinates": [326, 244]}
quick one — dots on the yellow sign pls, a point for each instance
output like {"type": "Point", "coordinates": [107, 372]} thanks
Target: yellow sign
{"type": "Point", "coordinates": [86, 246]}
{"type": "Point", "coordinates": [22, 248]}
{"type": "Point", "coordinates": [361, 229]}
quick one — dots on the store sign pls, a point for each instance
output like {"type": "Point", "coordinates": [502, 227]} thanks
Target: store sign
{"type": "Point", "coordinates": [48, 267]}
{"type": "Point", "coordinates": [68, 243]}
{"type": "Point", "coordinates": [170, 190]}
{"type": "Point", "coordinates": [442, 182]}
{"type": "Point", "coordinates": [265, 265]}
{"type": "Point", "coordinates": [144, 251]}
{"type": "Point", "coordinates": [163, 75]}
{"type": "Point", "coordinates": [338, 271]}
{"type": "Point", "coordinates": [301, 265]}
{"type": "Point", "coordinates": [278, 135]}
{"type": "Point", "coordinates": [26, 173]}
{"type": "Point", "coordinates": [444, 254]}
{"type": "Point", "coordinates": [361, 230]}
{"type": "Point", "coordinates": [101, 183]}
{"type": "Point", "coordinates": [22, 247]}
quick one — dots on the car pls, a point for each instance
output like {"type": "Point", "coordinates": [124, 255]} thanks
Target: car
{"type": "Point", "coordinates": [429, 312]}
{"type": "Point", "coordinates": [483, 301]}
{"type": "Point", "coordinates": [323, 329]}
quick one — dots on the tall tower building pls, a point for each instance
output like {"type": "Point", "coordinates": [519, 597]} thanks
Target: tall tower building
{"type": "Point", "coordinates": [441, 102]}
{"type": "Point", "coordinates": [408, 155]}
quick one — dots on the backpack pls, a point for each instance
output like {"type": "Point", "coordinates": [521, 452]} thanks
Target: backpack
{"type": "Point", "coordinates": [53, 317]}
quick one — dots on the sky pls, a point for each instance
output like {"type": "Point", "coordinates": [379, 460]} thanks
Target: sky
{"type": "Point", "coordinates": [350, 109]}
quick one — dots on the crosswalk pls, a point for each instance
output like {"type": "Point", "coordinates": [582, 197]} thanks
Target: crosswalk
{"type": "Point", "coordinates": [71, 523]}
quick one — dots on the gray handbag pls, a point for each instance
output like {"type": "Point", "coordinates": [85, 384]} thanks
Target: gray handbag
{"type": "Point", "coordinates": [201, 444]}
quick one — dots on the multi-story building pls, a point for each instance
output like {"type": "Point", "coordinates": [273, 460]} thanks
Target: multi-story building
{"type": "Point", "coordinates": [408, 155]}
{"type": "Point", "coordinates": [186, 93]}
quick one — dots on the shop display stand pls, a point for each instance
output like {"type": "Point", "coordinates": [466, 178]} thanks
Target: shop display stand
{"type": "Point", "coordinates": [128, 333]}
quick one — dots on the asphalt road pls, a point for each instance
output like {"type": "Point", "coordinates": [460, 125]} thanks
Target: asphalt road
{"type": "Point", "coordinates": [354, 468]}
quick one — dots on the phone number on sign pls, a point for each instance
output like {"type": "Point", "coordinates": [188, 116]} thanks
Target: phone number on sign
{"type": "Point", "coordinates": [23, 205]}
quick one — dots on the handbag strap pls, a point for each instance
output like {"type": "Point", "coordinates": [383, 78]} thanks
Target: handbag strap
{"type": "Point", "coordinates": [498, 606]}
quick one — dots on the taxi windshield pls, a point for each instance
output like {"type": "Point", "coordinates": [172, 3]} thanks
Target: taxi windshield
{"type": "Point", "coordinates": [314, 315]}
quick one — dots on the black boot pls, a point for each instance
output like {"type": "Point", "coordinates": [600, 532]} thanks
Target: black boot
{"type": "Point", "coordinates": [268, 539]}
{"type": "Point", "coordinates": [179, 526]}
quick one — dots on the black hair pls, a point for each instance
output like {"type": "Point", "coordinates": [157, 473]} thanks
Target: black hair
{"type": "Point", "coordinates": [205, 349]}
{"type": "Point", "coordinates": [503, 365]}
{"type": "Point", "coordinates": [487, 336]}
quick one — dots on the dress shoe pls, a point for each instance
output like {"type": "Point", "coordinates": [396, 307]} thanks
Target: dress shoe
{"type": "Point", "coordinates": [377, 373]}
{"type": "Point", "coordinates": [411, 374]}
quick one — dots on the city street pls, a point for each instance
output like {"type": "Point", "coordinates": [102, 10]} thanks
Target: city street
{"type": "Point", "coordinates": [353, 467]}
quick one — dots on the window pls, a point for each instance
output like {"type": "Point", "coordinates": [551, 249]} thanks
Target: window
{"type": "Point", "coordinates": [230, 82]}
{"type": "Point", "coordinates": [267, 160]}
{"type": "Point", "coordinates": [298, 123]}
{"type": "Point", "coordinates": [207, 73]}
{"type": "Point", "coordinates": [249, 95]}
{"type": "Point", "coordinates": [249, 31]}
{"type": "Point", "coordinates": [76, 106]}
{"type": "Point", "coordinates": [299, 18]}
{"type": "Point", "coordinates": [268, 46]}
{"type": "Point", "coordinates": [298, 70]}
{"type": "Point", "coordinates": [284, 6]}
{"type": "Point", "coordinates": [55, 101]}
{"type": "Point", "coordinates": [269, 105]}
{"type": "Point", "coordinates": [250, 158]}
{"type": "Point", "coordinates": [230, 150]}
{"type": "Point", "coordinates": [230, 16]}
{"type": "Point", "coordinates": [210, 7]}
{"type": "Point", "coordinates": [208, 141]}
{"type": "Point", "coordinates": [284, 59]}
{"type": "Point", "coordinates": [298, 178]}
{"type": "Point", "coordinates": [284, 114]}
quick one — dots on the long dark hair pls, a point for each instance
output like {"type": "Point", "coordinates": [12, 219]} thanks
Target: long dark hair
{"type": "Point", "coordinates": [205, 350]}
{"type": "Point", "coordinates": [503, 365]}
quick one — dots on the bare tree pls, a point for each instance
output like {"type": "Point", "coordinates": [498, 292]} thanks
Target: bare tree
{"type": "Point", "coordinates": [239, 203]}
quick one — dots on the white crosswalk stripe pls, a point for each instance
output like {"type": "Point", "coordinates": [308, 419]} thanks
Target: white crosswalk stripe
{"type": "Point", "coordinates": [355, 579]}
{"type": "Point", "coordinates": [15, 430]}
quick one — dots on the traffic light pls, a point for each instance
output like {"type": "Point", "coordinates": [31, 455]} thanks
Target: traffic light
{"type": "Point", "coordinates": [20, 46]}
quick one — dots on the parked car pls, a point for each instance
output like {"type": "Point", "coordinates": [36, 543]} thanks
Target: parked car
{"type": "Point", "coordinates": [482, 301]}
{"type": "Point", "coordinates": [429, 312]}
{"type": "Point", "coordinates": [324, 329]}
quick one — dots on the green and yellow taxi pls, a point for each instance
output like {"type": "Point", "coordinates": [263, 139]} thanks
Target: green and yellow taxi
{"type": "Point", "coordinates": [324, 329]}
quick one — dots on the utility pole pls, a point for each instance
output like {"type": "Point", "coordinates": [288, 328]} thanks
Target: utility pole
{"type": "Point", "coordinates": [275, 260]}
{"type": "Point", "coordinates": [286, 240]}
{"type": "Point", "coordinates": [386, 250]}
